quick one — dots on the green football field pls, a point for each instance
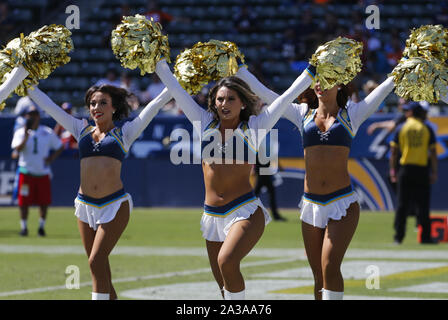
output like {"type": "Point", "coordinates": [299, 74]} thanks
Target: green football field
{"type": "Point", "coordinates": [162, 255]}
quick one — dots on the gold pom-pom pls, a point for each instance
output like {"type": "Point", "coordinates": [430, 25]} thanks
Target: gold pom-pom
{"type": "Point", "coordinates": [139, 43]}
{"type": "Point", "coordinates": [420, 79]}
{"type": "Point", "coordinates": [205, 62]}
{"type": "Point", "coordinates": [428, 41]}
{"type": "Point", "coordinates": [42, 51]}
{"type": "Point", "coordinates": [9, 59]}
{"type": "Point", "coordinates": [190, 71]}
{"type": "Point", "coordinates": [39, 53]}
{"type": "Point", "coordinates": [337, 61]}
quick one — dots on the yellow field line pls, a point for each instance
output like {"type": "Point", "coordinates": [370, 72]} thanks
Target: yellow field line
{"type": "Point", "coordinates": [408, 275]}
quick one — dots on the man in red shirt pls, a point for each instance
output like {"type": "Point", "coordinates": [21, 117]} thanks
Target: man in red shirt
{"type": "Point", "coordinates": [34, 142]}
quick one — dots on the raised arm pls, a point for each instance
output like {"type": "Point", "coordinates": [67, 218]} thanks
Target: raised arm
{"type": "Point", "coordinates": [13, 79]}
{"type": "Point", "coordinates": [268, 118]}
{"type": "Point", "coordinates": [359, 112]}
{"type": "Point", "coordinates": [292, 111]}
{"type": "Point", "coordinates": [263, 92]}
{"type": "Point", "coordinates": [191, 109]}
{"type": "Point", "coordinates": [70, 123]}
{"type": "Point", "coordinates": [133, 129]}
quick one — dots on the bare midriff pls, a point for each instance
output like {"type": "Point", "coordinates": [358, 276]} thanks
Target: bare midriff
{"type": "Point", "coordinates": [100, 176]}
{"type": "Point", "coordinates": [225, 182]}
{"type": "Point", "coordinates": [326, 169]}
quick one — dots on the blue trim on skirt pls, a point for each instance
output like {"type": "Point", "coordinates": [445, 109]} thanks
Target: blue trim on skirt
{"type": "Point", "coordinates": [101, 202]}
{"type": "Point", "coordinates": [327, 198]}
{"type": "Point", "coordinates": [232, 205]}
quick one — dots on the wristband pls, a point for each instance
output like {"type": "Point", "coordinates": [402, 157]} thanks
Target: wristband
{"type": "Point", "coordinates": [311, 70]}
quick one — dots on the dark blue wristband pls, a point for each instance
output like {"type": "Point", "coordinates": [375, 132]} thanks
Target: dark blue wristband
{"type": "Point", "coordinates": [311, 70]}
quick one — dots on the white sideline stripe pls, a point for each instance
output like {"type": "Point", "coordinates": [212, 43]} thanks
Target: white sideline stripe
{"type": "Point", "coordinates": [298, 253]}
{"type": "Point", "coordinates": [264, 289]}
{"type": "Point", "coordinates": [45, 289]}
{"type": "Point", "coordinates": [438, 287]}
{"type": "Point", "coordinates": [147, 277]}
{"type": "Point", "coordinates": [397, 254]}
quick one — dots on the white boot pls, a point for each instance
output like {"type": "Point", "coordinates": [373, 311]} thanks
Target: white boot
{"type": "Point", "coordinates": [100, 296]}
{"type": "Point", "coordinates": [234, 295]}
{"type": "Point", "coordinates": [331, 295]}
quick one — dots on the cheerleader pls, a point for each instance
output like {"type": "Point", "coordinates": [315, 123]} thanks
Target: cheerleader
{"type": "Point", "coordinates": [328, 122]}
{"type": "Point", "coordinates": [234, 218]}
{"type": "Point", "coordinates": [102, 205]}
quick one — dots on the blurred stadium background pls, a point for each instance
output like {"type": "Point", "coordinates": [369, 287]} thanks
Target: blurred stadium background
{"type": "Point", "coordinates": [277, 37]}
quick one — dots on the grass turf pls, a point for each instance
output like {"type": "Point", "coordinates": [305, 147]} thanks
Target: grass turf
{"type": "Point", "coordinates": [157, 227]}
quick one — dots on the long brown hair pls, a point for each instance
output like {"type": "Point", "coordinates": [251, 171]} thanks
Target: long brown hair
{"type": "Point", "coordinates": [344, 93]}
{"type": "Point", "coordinates": [247, 97]}
{"type": "Point", "coordinates": [119, 98]}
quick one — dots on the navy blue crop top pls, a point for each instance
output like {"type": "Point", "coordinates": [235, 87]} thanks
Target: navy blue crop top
{"type": "Point", "coordinates": [239, 147]}
{"type": "Point", "coordinates": [339, 134]}
{"type": "Point", "coordinates": [110, 146]}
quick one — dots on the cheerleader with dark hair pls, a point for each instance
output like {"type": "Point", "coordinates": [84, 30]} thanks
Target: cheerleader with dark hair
{"type": "Point", "coordinates": [234, 218]}
{"type": "Point", "coordinates": [102, 205]}
{"type": "Point", "coordinates": [328, 122]}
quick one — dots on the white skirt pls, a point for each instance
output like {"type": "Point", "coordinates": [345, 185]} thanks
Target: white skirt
{"type": "Point", "coordinates": [216, 221]}
{"type": "Point", "coordinates": [98, 211]}
{"type": "Point", "coordinates": [317, 210]}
